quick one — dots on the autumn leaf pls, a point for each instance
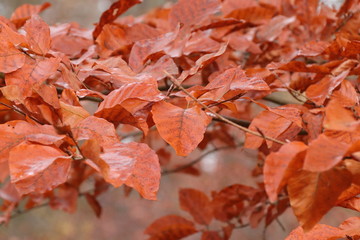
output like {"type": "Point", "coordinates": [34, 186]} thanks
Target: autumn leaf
{"type": "Point", "coordinates": [39, 172]}
{"type": "Point", "coordinates": [25, 11]}
{"type": "Point", "coordinates": [197, 204]}
{"type": "Point", "coordinates": [324, 153]}
{"type": "Point", "coordinates": [11, 58]}
{"type": "Point", "coordinates": [115, 10]}
{"type": "Point", "coordinates": [186, 128]}
{"type": "Point", "coordinates": [170, 227]}
{"type": "Point", "coordinates": [37, 35]}
{"type": "Point", "coordinates": [313, 194]}
{"type": "Point", "coordinates": [281, 165]}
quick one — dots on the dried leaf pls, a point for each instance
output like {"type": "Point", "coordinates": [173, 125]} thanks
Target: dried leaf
{"type": "Point", "coordinates": [37, 35]}
{"type": "Point", "coordinates": [186, 128]}
{"type": "Point", "coordinates": [39, 172]}
{"type": "Point", "coordinates": [280, 166]}
{"type": "Point", "coordinates": [25, 11]}
{"type": "Point", "coordinates": [197, 204]}
{"type": "Point", "coordinates": [170, 227]}
{"type": "Point", "coordinates": [313, 194]}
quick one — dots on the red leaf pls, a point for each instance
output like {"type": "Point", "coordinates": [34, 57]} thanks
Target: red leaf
{"type": "Point", "coordinates": [39, 172]}
{"type": "Point", "coordinates": [115, 10]}
{"type": "Point", "coordinates": [170, 227]}
{"type": "Point", "coordinates": [197, 204]}
{"type": "Point", "coordinates": [312, 195]}
{"type": "Point", "coordinates": [186, 128]}
{"type": "Point", "coordinates": [280, 166]}
{"type": "Point", "coordinates": [37, 35]}
{"type": "Point", "coordinates": [324, 153]}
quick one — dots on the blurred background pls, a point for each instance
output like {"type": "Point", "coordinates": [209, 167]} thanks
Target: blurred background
{"type": "Point", "coordinates": [126, 218]}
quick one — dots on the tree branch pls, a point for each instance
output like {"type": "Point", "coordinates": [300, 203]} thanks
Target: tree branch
{"type": "Point", "coordinates": [216, 115]}
{"type": "Point", "coordinates": [193, 162]}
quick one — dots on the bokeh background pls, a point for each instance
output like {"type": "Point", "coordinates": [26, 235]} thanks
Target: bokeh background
{"type": "Point", "coordinates": [125, 218]}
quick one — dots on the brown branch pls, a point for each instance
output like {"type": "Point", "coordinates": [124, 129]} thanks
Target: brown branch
{"type": "Point", "coordinates": [21, 112]}
{"type": "Point", "coordinates": [193, 162]}
{"type": "Point", "coordinates": [220, 116]}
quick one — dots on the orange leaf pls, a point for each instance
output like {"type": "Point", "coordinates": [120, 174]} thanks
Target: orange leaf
{"type": "Point", "coordinates": [197, 204]}
{"type": "Point", "coordinates": [24, 12]}
{"type": "Point", "coordinates": [128, 104]}
{"type": "Point", "coordinates": [319, 232]}
{"type": "Point", "coordinates": [145, 177]}
{"type": "Point", "coordinates": [37, 35]}
{"type": "Point", "coordinates": [279, 167]}
{"type": "Point", "coordinates": [324, 153]}
{"type": "Point", "coordinates": [115, 10]}
{"type": "Point", "coordinates": [339, 118]}
{"type": "Point", "coordinates": [182, 128]}
{"type": "Point", "coordinates": [37, 168]}
{"type": "Point", "coordinates": [319, 91]}
{"type": "Point", "coordinates": [170, 227]}
{"type": "Point", "coordinates": [34, 71]}
{"type": "Point", "coordinates": [312, 195]}
{"type": "Point", "coordinates": [191, 12]}
{"type": "Point", "coordinates": [11, 58]}
{"type": "Point", "coordinates": [15, 132]}
{"type": "Point", "coordinates": [351, 226]}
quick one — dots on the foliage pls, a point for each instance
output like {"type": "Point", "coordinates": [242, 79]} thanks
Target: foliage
{"type": "Point", "coordinates": [190, 74]}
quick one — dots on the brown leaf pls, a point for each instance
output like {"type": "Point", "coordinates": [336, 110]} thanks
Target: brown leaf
{"type": "Point", "coordinates": [115, 10]}
{"type": "Point", "coordinates": [324, 153]}
{"type": "Point", "coordinates": [197, 204]}
{"type": "Point", "coordinates": [271, 30]}
{"type": "Point", "coordinates": [94, 204]}
{"type": "Point", "coordinates": [170, 227]}
{"type": "Point", "coordinates": [279, 167]}
{"type": "Point", "coordinates": [37, 35]}
{"type": "Point", "coordinates": [192, 12]}
{"type": "Point", "coordinates": [321, 90]}
{"type": "Point", "coordinates": [37, 168]}
{"type": "Point", "coordinates": [25, 11]}
{"type": "Point", "coordinates": [130, 104]}
{"type": "Point", "coordinates": [182, 128]}
{"type": "Point", "coordinates": [312, 195]}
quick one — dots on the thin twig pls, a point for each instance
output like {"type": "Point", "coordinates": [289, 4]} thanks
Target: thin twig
{"type": "Point", "coordinates": [182, 167]}
{"type": "Point", "coordinates": [21, 112]}
{"type": "Point", "coordinates": [220, 116]}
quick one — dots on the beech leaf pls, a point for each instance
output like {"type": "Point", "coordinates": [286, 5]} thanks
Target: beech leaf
{"type": "Point", "coordinates": [170, 227]}
{"type": "Point", "coordinates": [313, 194]}
{"type": "Point", "coordinates": [39, 172]}
{"type": "Point", "coordinates": [197, 204]}
{"type": "Point", "coordinates": [182, 128]}
{"type": "Point", "coordinates": [37, 35]}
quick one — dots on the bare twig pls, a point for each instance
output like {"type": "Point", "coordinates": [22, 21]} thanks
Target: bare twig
{"type": "Point", "coordinates": [220, 116]}
{"type": "Point", "coordinates": [182, 167]}
{"type": "Point", "coordinates": [21, 112]}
